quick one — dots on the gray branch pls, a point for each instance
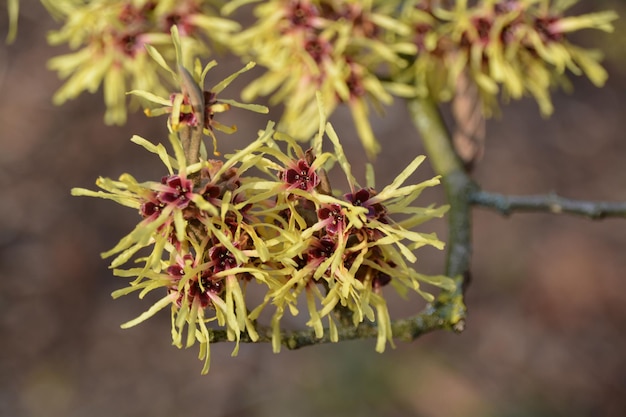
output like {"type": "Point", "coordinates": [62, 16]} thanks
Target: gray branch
{"type": "Point", "coordinates": [548, 203]}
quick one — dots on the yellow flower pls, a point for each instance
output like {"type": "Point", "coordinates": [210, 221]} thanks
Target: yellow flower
{"type": "Point", "coordinates": [112, 36]}
{"type": "Point", "coordinates": [516, 47]}
{"type": "Point", "coordinates": [322, 46]}
{"type": "Point", "coordinates": [13, 9]}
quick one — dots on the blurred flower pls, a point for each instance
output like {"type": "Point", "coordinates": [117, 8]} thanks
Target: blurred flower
{"type": "Point", "coordinates": [13, 11]}
{"type": "Point", "coordinates": [517, 46]}
{"type": "Point", "coordinates": [332, 47]}
{"type": "Point", "coordinates": [112, 36]}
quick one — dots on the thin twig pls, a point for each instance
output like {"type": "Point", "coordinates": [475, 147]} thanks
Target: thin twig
{"type": "Point", "coordinates": [193, 91]}
{"type": "Point", "coordinates": [404, 329]}
{"type": "Point", "coordinates": [548, 203]}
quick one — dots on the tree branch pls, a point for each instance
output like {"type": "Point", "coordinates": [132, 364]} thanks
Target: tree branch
{"type": "Point", "coordinates": [548, 203]}
{"type": "Point", "coordinates": [458, 186]}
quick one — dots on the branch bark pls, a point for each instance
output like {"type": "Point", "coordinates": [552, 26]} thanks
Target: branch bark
{"type": "Point", "coordinates": [548, 203]}
{"type": "Point", "coordinates": [404, 329]}
{"type": "Point", "coordinates": [458, 186]}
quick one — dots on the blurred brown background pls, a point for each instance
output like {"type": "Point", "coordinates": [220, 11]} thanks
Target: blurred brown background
{"type": "Point", "coordinates": [545, 335]}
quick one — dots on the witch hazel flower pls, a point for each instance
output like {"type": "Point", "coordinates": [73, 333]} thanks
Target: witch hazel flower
{"type": "Point", "coordinates": [176, 190]}
{"type": "Point", "coordinates": [110, 39]}
{"type": "Point", "coordinates": [195, 297]}
{"type": "Point", "coordinates": [301, 175]}
{"type": "Point", "coordinates": [212, 293]}
{"type": "Point", "coordinates": [364, 198]}
{"type": "Point", "coordinates": [332, 218]}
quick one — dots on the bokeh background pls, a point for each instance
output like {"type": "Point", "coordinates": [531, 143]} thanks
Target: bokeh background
{"type": "Point", "coordinates": [547, 305]}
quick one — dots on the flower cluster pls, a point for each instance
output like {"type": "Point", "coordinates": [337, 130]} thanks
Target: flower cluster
{"type": "Point", "coordinates": [358, 53]}
{"type": "Point", "coordinates": [211, 228]}
{"type": "Point", "coordinates": [112, 36]}
{"type": "Point", "coordinates": [201, 246]}
{"type": "Point", "coordinates": [517, 46]}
